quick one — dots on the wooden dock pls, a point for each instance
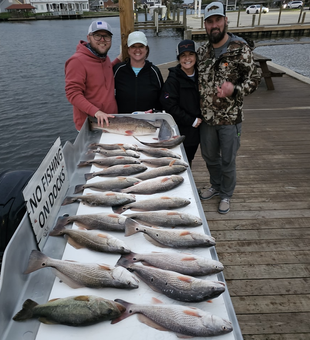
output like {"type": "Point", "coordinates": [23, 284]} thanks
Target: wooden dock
{"type": "Point", "coordinates": [260, 31]}
{"type": "Point", "coordinates": [264, 241]}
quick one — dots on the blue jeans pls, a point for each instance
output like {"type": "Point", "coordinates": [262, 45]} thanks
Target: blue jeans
{"type": "Point", "coordinates": [219, 145]}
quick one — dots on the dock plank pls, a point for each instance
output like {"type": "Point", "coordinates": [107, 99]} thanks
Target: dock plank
{"type": "Point", "coordinates": [264, 240]}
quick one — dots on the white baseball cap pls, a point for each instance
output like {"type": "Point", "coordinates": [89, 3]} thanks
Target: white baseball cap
{"type": "Point", "coordinates": [136, 38]}
{"type": "Point", "coordinates": [98, 26]}
{"type": "Point", "coordinates": [214, 8]}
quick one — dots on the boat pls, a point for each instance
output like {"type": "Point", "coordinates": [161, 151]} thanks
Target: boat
{"type": "Point", "coordinates": [33, 230]}
{"type": "Point", "coordinates": [162, 11]}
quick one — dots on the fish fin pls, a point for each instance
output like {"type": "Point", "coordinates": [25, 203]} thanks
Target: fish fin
{"type": "Point", "coordinates": [172, 162]}
{"type": "Point", "coordinates": [182, 336]}
{"type": "Point", "coordinates": [74, 243]}
{"type": "Point", "coordinates": [83, 163]}
{"type": "Point", "coordinates": [184, 233]}
{"type": "Point", "coordinates": [102, 235]}
{"type": "Point", "coordinates": [173, 213]}
{"type": "Point", "coordinates": [69, 200]}
{"type": "Point", "coordinates": [26, 312]}
{"type": "Point", "coordinates": [89, 176]}
{"type": "Point", "coordinates": [187, 279]}
{"type": "Point", "coordinates": [104, 267]}
{"type": "Point", "coordinates": [137, 139]}
{"type": "Point", "coordinates": [142, 318]}
{"type": "Point", "coordinates": [46, 321]}
{"type": "Point", "coordinates": [81, 298]}
{"type": "Point", "coordinates": [191, 312]}
{"type": "Point", "coordinates": [79, 188]}
{"type": "Point", "coordinates": [156, 301]}
{"type": "Point", "coordinates": [36, 261]}
{"type": "Point", "coordinates": [189, 258]}
{"type": "Point", "coordinates": [154, 242]}
{"type": "Point", "coordinates": [67, 280]}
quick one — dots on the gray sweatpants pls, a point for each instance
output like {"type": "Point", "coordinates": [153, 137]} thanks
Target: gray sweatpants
{"type": "Point", "coordinates": [219, 145]}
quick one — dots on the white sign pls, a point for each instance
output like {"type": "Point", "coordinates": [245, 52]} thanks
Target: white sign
{"type": "Point", "coordinates": [45, 191]}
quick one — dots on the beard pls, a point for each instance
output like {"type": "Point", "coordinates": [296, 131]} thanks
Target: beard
{"type": "Point", "coordinates": [215, 38]}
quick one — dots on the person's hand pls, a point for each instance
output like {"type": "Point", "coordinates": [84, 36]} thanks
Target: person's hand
{"type": "Point", "coordinates": [199, 120]}
{"type": "Point", "coordinates": [225, 90]}
{"type": "Point", "coordinates": [103, 117]}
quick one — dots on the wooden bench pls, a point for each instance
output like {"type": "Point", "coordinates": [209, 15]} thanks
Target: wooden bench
{"type": "Point", "coordinates": [267, 71]}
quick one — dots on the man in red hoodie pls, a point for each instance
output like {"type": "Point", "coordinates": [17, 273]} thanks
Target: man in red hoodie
{"type": "Point", "coordinates": [89, 77]}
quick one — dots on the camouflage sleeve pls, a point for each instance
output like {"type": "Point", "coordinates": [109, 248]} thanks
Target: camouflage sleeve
{"type": "Point", "coordinates": [249, 76]}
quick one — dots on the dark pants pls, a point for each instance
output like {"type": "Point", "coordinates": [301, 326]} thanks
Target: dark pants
{"type": "Point", "coordinates": [219, 145]}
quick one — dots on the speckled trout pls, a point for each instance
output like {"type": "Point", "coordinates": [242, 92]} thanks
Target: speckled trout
{"type": "Point", "coordinates": [80, 310]}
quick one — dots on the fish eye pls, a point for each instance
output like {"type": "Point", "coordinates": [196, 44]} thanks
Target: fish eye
{"type": "Point", "coordinates": [152, 279]}
{"type": "Point", "coordinates": [43, 264]}
{"type": "Point", "coordinates": [157, 235]}
{"type": "Point", "coordinates": [137, 228]}
{"type": "Point", "coordinates": [130, 311]}
{"type": "Point", "coordinates": [134, 258]}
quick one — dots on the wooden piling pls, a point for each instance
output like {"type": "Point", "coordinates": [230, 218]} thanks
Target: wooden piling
{"type": "Point", "coordinates": [126, 23]}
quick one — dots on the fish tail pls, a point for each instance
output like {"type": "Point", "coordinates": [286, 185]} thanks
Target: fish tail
{"type": "Point", "coordinates": [83, 163]}
{"type": "Point", "coordinates": [125, 314]}
{"type": "Point", "coordinates": [89, 176]}
{"type": "Point", "coordinates": [125, 259]}
{"type": "Point", "coordinates": [36, 261]}
{"type": "Point", "coordinates": [93, 146]}
{"type": "Point", "coordinates": [131, 227]}
{"type": "Point", "coordinates": [61, 222]}
{"type": "Point", "coordinates": [69, 200]}
{"type": "Point", "coordinates": [26, 312]}
{"type": "Point", "coordinates": [118, 209]}
{"type": "Point", "coordinates": [79, 188]}
{"type": "Point", "coordinates": [60, 226]}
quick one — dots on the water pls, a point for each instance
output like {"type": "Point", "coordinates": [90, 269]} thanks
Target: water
{"type": "Point", "coordinates": [33, 108]}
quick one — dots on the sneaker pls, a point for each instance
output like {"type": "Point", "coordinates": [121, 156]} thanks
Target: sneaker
{"type": "Point", "coordinates": [207, 193]}
{"type": "Point", "coordinates": [224, 206]}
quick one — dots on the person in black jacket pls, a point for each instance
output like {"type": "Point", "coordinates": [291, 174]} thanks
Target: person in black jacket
{"type": "Point", "coordinates": [138, 82]}
{"type": "Point", "coordinates": [180, 96]}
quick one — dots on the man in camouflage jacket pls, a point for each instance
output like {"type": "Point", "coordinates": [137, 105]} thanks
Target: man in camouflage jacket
{"type": "Point", "coordinates": [226, 73]}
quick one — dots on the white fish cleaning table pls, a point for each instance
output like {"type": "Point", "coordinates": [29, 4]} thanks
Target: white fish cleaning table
{"type": "Point", "coordinates": [42, 285]}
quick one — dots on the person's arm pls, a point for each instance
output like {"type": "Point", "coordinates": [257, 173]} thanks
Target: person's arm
{"type": "Point", "coordinates": [75, 76]}
{"type": "Point", "coordinates": [248, 78]}
{"type": "Point", "coordinates": [170, 99]}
